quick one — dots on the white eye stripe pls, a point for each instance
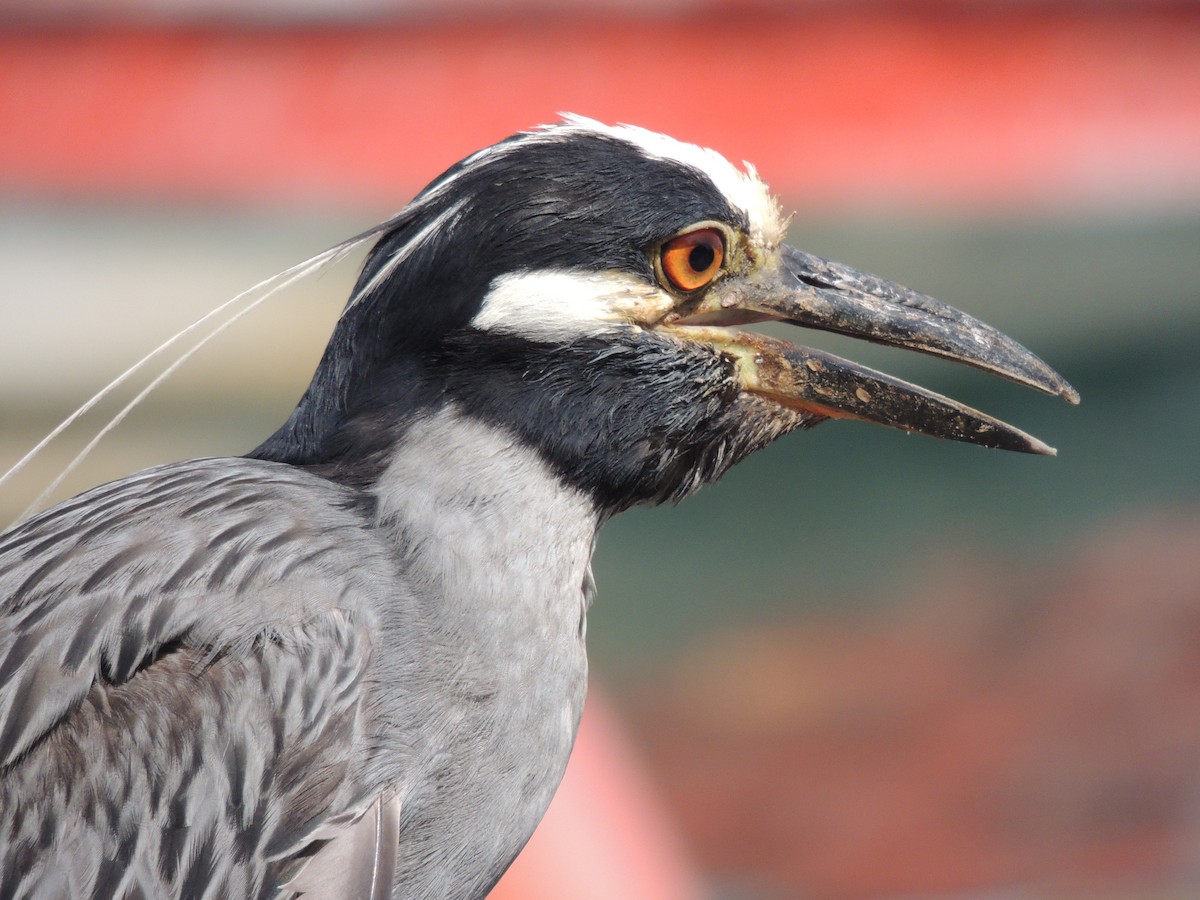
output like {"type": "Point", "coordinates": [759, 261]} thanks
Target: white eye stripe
{"type": "Point", "coordinates": [560, 305]}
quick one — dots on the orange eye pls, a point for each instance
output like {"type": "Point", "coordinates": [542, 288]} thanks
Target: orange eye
{"type": "Point", "coordinates": [692, 260]}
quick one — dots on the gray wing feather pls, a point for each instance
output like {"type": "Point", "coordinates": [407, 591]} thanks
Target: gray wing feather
{"type": "Point", "coordinates": [182, 658]}
{"type": "Point", "coordinates": [357, 860]}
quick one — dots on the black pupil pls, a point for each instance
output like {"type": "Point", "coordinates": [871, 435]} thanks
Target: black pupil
{"type": "Point", "coordinates": [701, 257]}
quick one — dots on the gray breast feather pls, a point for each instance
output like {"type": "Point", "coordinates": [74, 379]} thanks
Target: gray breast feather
{"type": "Point", "coordinates": [211, 610]}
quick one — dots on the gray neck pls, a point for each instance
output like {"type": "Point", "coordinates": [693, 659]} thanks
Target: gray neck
{"type": "Point", "coordinates": [495, 553]}
{"type": "Point", "coordinates": [481, 519]}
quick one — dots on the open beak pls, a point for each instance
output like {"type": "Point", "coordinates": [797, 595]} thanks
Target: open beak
{"type": "Point", "coordinates": [810, 291]}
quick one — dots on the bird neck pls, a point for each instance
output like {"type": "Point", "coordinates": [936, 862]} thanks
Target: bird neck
{"type": "Point", "coordinates": [624, 419]}
{"type": "Point", "coordinates": [484, 519]}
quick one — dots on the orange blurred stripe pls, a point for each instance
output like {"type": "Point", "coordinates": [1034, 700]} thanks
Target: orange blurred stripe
{"type": "Point", "coordinates": [996, 108]}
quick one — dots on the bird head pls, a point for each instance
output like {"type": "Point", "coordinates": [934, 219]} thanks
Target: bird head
{"type": "Point", "coordinates": [582, 286]}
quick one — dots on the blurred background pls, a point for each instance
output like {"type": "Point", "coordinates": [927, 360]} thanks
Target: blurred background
{"type": "Point", "coordinates": [864, 664]}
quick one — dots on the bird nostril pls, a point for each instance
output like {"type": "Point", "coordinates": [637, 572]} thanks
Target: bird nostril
{"type": "Point", "coordinates": [814, 281]}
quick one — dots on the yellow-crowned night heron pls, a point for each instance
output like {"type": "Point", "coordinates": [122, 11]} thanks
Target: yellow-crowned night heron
{"type": "Point", "coordinates": [351, 663]}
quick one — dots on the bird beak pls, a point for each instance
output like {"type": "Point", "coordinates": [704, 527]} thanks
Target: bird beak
{"type": "Point", "coordinates": [806, 290]}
